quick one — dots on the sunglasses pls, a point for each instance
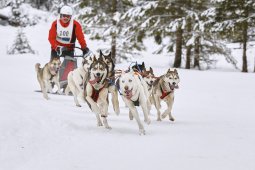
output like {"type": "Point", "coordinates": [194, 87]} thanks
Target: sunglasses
{"type": "Point", "coordinates": [65, 16]}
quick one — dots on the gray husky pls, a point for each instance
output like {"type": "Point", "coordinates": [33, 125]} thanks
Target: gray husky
{"type": "Point", "coordinates": [164, 89]}
{"type": "Point", "coordinates": [96, 90]}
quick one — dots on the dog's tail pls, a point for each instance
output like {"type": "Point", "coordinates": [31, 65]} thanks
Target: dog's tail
{"type": "Point", "coordinates": [37, 67]}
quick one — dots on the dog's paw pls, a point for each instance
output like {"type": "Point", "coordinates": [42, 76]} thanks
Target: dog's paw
{"type": "Point", "coordinates": [148, 121]}
{"type": "Point", "coordinates": [163, 116]}
{"type": "Point", "coordinates": [158, 119]}
{"type": "Point", "coordinates": [46, 97]}
{"type": "Point", "coordinates": [171, 119]}
{"type": "Point", "coordinates": [99, 124]}
{"type": "Point", "coordinates": [108, 127]}
{"type": "Point", "coordinates": [141, 132]}
{"type": "Point", "coordinates": [78, 105]}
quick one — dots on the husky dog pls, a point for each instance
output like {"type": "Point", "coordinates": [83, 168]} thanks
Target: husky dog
{"type": "Point", "coordinates": [96, 90]}
{"type": "Point", "coordinates": [164, 90]}
{"type": "Point", "coordinates": [133, 94]}
{"type": "Point", "coordinates": [149, 78]}
{"type": "Point", "coordinates": [140, 68]}
{"type": "Point", "coordinates": [76, 79]}
{"type": "Point", "coordinates": [47, 75]}
{"type": "Point", "coordinates": [111, 79]}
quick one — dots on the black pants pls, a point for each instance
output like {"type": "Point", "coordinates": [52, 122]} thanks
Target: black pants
{"type": "Point", "coordinates": [54, 54]}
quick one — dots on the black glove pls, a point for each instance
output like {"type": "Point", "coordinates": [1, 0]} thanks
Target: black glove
{"type": "Point", "coordinates": [85, 50]}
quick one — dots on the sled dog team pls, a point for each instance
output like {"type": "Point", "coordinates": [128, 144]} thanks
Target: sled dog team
{"type": "Point", "coordinates": [96, 78]}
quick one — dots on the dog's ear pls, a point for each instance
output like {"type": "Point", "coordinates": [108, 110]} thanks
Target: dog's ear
{"type": "Point", "coordinates": [143, 66]}
{"type": "Point", "coordinates": [100, 53]}
{"type": "Point", "coordinates": [175, 71]}
{"type": "Point", "coordinates": [110, 54]}
{"type": "Point", "coordinates": [101, 58]}
{"type": "Point", "coordinates": [94, 59]}
{"type": "Point", "coordinates": [151, 70]}
{"type": "Point", "coordinates": [169, 70]}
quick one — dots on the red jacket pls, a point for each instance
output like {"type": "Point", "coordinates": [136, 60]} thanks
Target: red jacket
{"type": "Point", "coordinates": [77, 33]}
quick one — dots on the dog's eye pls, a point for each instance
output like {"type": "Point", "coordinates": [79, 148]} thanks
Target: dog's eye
{"type": "Point", "coordinates": [123, 81]}
{"type": "Point", "coordinates": [129, 80]}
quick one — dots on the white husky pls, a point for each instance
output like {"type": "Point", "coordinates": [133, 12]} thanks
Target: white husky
{"type": "Point", "coordinates": [134, 93]}
{"type": "Point", "coordinates": [164, 90]}
{"type": "Point", "coordinates": [76, 79]}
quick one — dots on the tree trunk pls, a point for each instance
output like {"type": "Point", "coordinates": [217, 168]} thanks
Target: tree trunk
{"type": "Point", "coordinates": [197, 52]}
{"type": "Point", "coordinates": [178, 51]}
{"type": "Point", "coordinates": [245, 38]}
{"type": "Point", "coordinates": [114, 23]}
{"type": "Point", "coordinates": [188, 49]}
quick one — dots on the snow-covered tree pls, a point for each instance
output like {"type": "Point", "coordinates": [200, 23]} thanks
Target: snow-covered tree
{"type": "Point", "coordinates": [21, 44]}
{"type": "Point", "coordinates": [233, 21]}
{"type": "Point", "coordinates": [102, 18]}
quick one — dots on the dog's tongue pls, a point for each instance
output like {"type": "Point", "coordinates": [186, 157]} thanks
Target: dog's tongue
{"type": "Point", "coordinates": [94, 81]}
{"type": "Point", "coordinates": [128, 93]}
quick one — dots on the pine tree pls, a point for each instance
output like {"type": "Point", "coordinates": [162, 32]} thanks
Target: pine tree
{"type": "Point", "coordinates": [233, 21]}
{"type": "Point", "coordinates": [21, 44]}
{"type": "Point", "coordinates": [103, 20]}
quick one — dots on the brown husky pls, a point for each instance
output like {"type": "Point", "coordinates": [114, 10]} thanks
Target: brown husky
{"type": "Point", "coordinates": [47, 75]}
{"type": "Point", "coordinates": [164, 90]}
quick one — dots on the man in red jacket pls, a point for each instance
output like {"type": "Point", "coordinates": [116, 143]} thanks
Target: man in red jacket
{"type": "Point", "coordinates": [64, 32]}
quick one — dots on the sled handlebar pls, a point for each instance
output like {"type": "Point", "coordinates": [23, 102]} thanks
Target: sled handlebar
{"type": "Point", "coordinates": [63, 49]}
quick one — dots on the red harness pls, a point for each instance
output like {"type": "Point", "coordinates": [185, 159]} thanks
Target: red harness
{"type": "Point", "coordinates": [164, 93]}
{"type": "Point", "coordinates": [95, 94]}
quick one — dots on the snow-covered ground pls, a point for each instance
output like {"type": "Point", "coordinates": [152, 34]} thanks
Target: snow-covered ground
{"type": "Point", "coordinates": [214, 127]}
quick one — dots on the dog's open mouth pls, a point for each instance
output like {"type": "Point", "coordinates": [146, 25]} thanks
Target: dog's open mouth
{"type": "Point", "coordinates": [128, 93]}
{"type": "Point", "coordinates": [173, 86]}
{"type": "Point", "coordinates": [54, 70]}
{"type": "Point", "coordinates": [96, 80]}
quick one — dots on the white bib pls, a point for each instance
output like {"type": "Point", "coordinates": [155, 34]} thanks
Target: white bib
{"type": "Point", "coordinates": [64, 34]}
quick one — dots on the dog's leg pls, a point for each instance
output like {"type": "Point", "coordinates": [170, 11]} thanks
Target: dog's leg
{"type": "Point", "coordinates": [115, 100]}
{"type": "Point", "coordinates": [144, 106]}
{"type": "Point", "coordinates": [45, 90]}
{"type": "Point", "coordinates": [58, 86]}
{"type": "Point", "coordinates": [157, 105]}
{"type": "Point", "coordinates": [104, 107]}
{"type": "Point", "coordinates": [168, 111]}
{"type": "Point", "coordinates": [74, 90]}
{"type": "Point", "coordinates": [135, 115]}
{"type": "Point", "coordinates": [130, 115]}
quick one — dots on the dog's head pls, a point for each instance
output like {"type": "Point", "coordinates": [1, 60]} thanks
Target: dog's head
{"type": "Point", "coordinates": [86, 63]}
{"type": "Point", "coordinates": [127, 84]}
{"type": "Point", "coordinates": [108, 60]}
{"type": "Point", "coordinates": [54, 65]}
{"type": "Point", "coordinates": [139, 68]}
{"type": "Point", "coordinates": [149, 77]}
{"type": "Point", "coordinates": [98, 70]}
{"type": "Point", "coordinates": [172, 78]}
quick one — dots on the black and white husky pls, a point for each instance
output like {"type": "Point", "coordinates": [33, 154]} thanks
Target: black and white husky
{"type": "Point", "coordinates": [111, 80]}
{"type": "Point", "coordinates": [164, 89]}
{"type": "Point", "coordinates": [133, 93]}
{"type": "Point", "coordinates": [96, 90]}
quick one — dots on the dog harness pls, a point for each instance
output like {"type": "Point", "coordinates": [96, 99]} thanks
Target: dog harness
{"type": "Point", "coordinates": [164, 93]}
{"type": "Point", "coordinates": [95, 94]}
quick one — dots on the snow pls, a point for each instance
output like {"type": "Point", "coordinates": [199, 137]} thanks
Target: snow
{"type": "Point", "coordinates": [214, 112]}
